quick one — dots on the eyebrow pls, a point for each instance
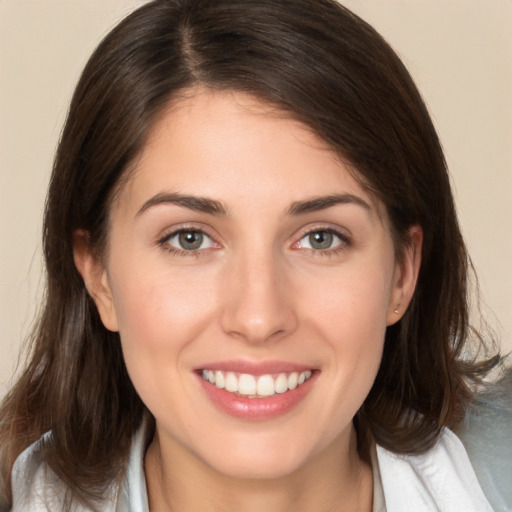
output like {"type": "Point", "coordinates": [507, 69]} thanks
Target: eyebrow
{"type": "Point", "coordinates": [200, 204]}
{"type": "Point", "coordinates": [213, 207]}
{"type": "Point", "coordinates": [321, 203]}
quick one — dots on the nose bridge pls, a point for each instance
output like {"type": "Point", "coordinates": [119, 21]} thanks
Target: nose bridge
{"type": "Point", "coordinates": [257, 306]}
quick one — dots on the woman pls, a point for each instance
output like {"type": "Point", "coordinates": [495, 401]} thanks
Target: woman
{"type": "Point", "coordinates": [256, 280]}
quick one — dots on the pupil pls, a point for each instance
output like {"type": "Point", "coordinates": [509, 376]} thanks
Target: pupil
{"type": "Point", "coordinates": [191, 240]}
{"type": "Point", "coordinates": [320, 240]}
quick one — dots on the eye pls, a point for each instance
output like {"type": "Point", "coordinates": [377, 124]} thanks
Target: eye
{"type": "Point", "coordinates": [322, 240]}
{"type": "Point", "coordinates": [188, 240]}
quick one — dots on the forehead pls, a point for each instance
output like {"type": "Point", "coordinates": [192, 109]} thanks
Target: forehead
{"type": "Point", "coordinates": [229, 145]}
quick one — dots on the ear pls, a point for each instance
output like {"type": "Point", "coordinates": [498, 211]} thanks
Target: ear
{"type": "Point", "coordinates": [406, 276]}
{"type": "Point", "coordinates": [95, 277]}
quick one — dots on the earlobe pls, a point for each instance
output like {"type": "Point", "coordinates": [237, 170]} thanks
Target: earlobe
{"type": "Point", "coordinates": [95, 278]}
{"type": "Point", "coordinates": [406, 276]}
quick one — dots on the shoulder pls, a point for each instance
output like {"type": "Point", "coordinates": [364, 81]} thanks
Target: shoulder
{"type": "Point", "coordinates": [36, 487]}
{"type": "Point", "coordinates": [440, 479]}
{"type": "Point", "coordinates": [487, 437]}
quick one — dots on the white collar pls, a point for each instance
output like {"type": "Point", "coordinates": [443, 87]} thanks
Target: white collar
{"type": "Point", "coordinates": [442, 479]}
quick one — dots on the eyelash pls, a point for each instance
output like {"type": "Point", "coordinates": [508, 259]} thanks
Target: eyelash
{"type": "Point", "coordinates": [345, 242]}
{"type": "Point", "coordinates": [164, 242]}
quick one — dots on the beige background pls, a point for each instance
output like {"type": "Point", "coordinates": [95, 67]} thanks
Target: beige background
{"type": "Point", "coordinates": [459, 52]}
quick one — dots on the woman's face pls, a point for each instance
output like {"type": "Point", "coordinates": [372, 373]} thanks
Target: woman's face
{"type": "Point", "coordinates": [242, 254]}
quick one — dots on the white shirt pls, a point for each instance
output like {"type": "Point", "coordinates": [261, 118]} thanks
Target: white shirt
{"type": "Point", "coordinates": [440, 480]}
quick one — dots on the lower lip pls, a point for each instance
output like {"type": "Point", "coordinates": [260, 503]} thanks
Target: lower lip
{"type": "Point", "coordinates": [257, 408]}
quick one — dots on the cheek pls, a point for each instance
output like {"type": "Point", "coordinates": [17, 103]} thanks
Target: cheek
{"type": "Point", "coordinates": [160, 313]}
{"type": "Point", "coordinates": [351, 319]}
{"type": "Point", "coordinates": [156, 306]}
{"type": "Point", "coordinates": [354, 301]}
{"type": "Point", "coordinates": [355, 325]}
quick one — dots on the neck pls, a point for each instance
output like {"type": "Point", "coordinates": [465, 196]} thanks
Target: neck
{"type": "Point", "coordinates": [335, 479]}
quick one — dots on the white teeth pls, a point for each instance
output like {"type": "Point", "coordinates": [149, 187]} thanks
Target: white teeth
{"type": "Point", "coordinates": [231, 383]}
{"type": "Point", "coordinates": [219, 380]}
{"type": "Point", "coordinates": [281, 383]}
{"type": "Point", "coordinates": [292, 380]}
{"type": "Point", "coordinates": [253, 386]}
{"type": "Point", "coordinates": [265, 386]}
{"type": "Point", "coordinates": [246, 384]}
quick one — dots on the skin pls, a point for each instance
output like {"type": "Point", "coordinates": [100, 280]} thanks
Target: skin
{"type": "Point", "coordinates": [255, 290]}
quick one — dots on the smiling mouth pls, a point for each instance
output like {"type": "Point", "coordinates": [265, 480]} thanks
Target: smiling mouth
{"type": "Point", "coordinates": [255, 386]}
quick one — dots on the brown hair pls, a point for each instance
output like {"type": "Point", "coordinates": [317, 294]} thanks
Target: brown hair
{"type": "Point", "coordinates": [322, 65]}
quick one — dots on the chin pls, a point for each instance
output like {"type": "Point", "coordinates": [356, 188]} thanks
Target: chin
{"type": "Point", "coordinates": [261, 459]}
{"type": "Point", "coordinates": [260, 469]}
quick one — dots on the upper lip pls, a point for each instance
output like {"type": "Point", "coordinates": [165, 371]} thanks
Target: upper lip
{"type": "Point", "coordinates": [255, 367]}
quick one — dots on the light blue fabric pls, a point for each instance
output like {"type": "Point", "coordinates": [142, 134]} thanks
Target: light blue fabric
{"type": "Point", "coordinates": [133, 494]}
{"type": "Point", "coordinates": [487, 437]}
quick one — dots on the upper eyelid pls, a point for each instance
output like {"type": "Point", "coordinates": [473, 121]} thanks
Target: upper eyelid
{"type": "Point", "coordinates": [173, 231]}
{"type": "Point", "coordinates": [341, 232]}
{"type": "Point", "coordinates": [344, 239]}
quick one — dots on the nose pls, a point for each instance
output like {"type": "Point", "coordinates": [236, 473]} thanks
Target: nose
{"type": "Point", "coordinates": [258, 305]}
